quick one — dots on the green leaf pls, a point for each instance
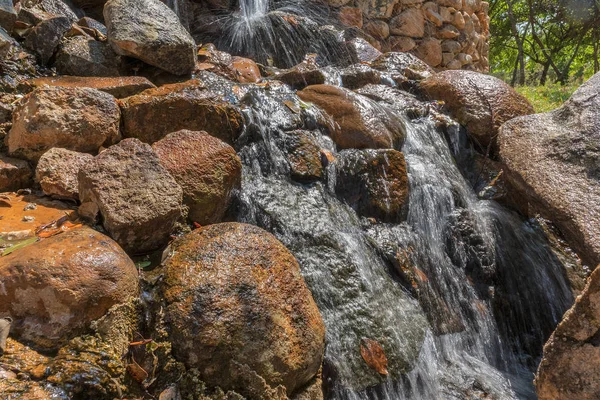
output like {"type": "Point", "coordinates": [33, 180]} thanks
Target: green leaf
{"type": "Point", "coordinates": [143, 264]}
{"type": "Point", "coordinates": [19, 245]}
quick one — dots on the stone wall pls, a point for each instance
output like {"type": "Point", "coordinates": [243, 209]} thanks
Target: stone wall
{"type": "Point", "coordinates": [447, 34]}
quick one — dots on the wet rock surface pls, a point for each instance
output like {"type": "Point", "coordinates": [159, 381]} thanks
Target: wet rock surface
{"type": "Point", "coordinates": [553, 161]}
{"type": "Point", "coordinates": [56, 287]}
{"type": "Point", "coordinates": [136, 199]}
{"type": "Point", "coordinates": [571, 355]}
{"type": "Point", "coordinates": [57, 170]}
{"type": "Point", "coordinates": [207, 169]}
{"type": "Point", "coordinates": [481, 103]}
{"type": "Point", "coordinates": [150, 31]}
{"type": "Point", "coordinates": [246, 313]}
{"type": "Point", "coordinates": [374, 182]}
{"type": "Point", "coordinates": [357, 122]}
{"type": "Point", "coordinates": [79, 119]}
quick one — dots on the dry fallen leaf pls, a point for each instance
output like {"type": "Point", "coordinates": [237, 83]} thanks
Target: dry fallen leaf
{"type": "Point", "coordinates": [374, 356]}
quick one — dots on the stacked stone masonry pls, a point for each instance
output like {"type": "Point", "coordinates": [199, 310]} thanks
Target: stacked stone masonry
{"type": "Point", "coordinates": [446, 34]}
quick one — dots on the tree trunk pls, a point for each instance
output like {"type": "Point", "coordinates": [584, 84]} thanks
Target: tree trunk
{"type": "Point", "coordinates": [544, 77]}
{"type": "Point", "coordinates": [518, 77]}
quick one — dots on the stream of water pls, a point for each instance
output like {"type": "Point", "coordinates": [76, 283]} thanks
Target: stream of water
{"type": "Point", "coordinates": [491, 292]}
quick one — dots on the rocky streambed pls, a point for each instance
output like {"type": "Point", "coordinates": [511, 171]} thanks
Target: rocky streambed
{"type": "Point", "coordinates": [177, 222]}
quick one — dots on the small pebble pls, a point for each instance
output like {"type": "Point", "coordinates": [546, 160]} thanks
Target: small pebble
{"type": "Point", "coordinates": [28, 218]}
{"type": "Point", "coordinates": [30, 206]}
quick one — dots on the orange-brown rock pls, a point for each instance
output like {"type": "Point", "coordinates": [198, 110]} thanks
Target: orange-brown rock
{"type": "Point", "coordinates": [238, 309]}
{"type": "Point", "coordinates": [119, 87]}
{"type": "Point", "coordinates": [54, 288]}
{"type": "Point", "coordinates": [480, 102]}
{"type": "Point", "coordinates": [357, 122]}
{"type": "Point", "coordinates": [57, 170]}
{"type": "Point", "coordinates": [80, 119]}
{"type": "Point", "coordinates": [136, 198]}
{"type": "Point", "coordinates": [154, 113]}
{"type": "Point", "coordinates": [207, 169]}
{"type": "Point", "coordinates": [245, 69]}
{"type": "Point", "coordinates": [571, 361]}
{"type": "Point", "coordinates": [14, 174]}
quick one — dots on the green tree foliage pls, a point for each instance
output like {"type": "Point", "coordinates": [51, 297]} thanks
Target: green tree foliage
{"type": "Point", "coordinates": [534, 41]}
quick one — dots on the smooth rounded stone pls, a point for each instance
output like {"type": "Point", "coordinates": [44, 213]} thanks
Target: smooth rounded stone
{"type": "Point", "coordinates": [79, 119]}
{"type": "Point", "coordinates": [45, 37]}
{"type": "Point", "coordinates": [245, 70]}
{"type": "Point", "coordinates": [207, 169]}
{"type": "Point", "coordinates": [56, 172]}
{"type": "Point", "coordinates": [14, 174]}
{"type": "Point", "coordinates": [154, 113]}
{"type": "Point", "coordinates": [481, 103]}
{"type": "Point", "coordinates": [357, 122]}
{"type": "Point", "coordinates": [378, 29]}
{"type": "Point", "coordinates": [552, 162]}
{"type": "Point", "coordinates": [302, 75]}
{"type": "Point", "coordinates": [239, 310]}
{"type": "Point", "coordinates": [150, 31]}
{"type": "Point", "coordinates": [82, 56]}
{"type": "Point", "coordinates": [373, 182]}
{"type": "Point", "coordinates": [119, 87]}
{"type": "Point", "coordinates": [571, 360]}
{"type": "Point", "coordinates": [351, 16]}
{"type": "Point", "coordinates": [136, 198]}
{"type": "Point", "coordinates": [54, 288]}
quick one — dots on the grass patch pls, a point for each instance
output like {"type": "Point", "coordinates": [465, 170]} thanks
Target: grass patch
{"type": "Point", "coordinates": [547, 98]}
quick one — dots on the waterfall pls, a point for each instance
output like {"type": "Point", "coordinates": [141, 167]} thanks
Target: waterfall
{"type": "Point", "coordinates": [491, 290]}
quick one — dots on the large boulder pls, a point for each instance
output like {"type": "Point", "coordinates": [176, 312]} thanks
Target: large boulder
{"type": "Point", "coordinates": [57, 170]}
{"type": "Point", "coordinates": [54, 288]}
{"type": "Point", "coordinates": [553, 162]}
{"type": "Point", "coordinates": [571, 361]}
{"type": "Point", "coordinates": [8, 15]}
{"type": "Point", "coordinates": [80, 119]}
{"type": "Point", "coordinates": [83, 56]}
{"type": "Point", "coordinates": [207, 169]}
{"type": "Point", "coordinates": [480, 102]}
{"type": "Point", "coordinates": [239, 310]}
{"type": "Point", "coordinates": [357, 122]}
{"type": "Point", "coordinates": [150, 31]}
{"type": "Point", "coordinates": [137, 199]}
{"type": "Point", "coordinates": [373, 182]}
{"type": "Point", "coordinates": [154, 113]}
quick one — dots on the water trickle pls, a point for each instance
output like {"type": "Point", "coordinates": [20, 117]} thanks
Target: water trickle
{"type": "Point", "coordinates": [461, 296]}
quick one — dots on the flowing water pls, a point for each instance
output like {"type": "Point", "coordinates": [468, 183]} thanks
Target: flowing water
{"type": "Point", "coordinates": [461, 295]}
{"type": "Point", "coordinates": [489, 293]}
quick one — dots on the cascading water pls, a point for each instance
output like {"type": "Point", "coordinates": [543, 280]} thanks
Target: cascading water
{"type": "Point", "coordinates": [489, 289]}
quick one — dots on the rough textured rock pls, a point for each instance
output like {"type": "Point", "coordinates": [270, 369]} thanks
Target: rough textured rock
{"type": "Point", "coordinates": [207, 169]}
{"type": "Point", "coordinates": [150, 31]}
{"type": "Point", "coordinates": [553, 162]}
{"type": "Point", "coordinates": [239, 309]}
{"type": "Point", "coordinates": [137, 199]}
{"type": "Point", "coordinates": [82, 56]}
{"type": "Point", "coordinates": [45, 37]}
{"type": "Point", "coordinates": [118, 87]}
{"type": "Point", "coordinates": [373, 182]}
{"type": "Point", "coordinates": [80, 119]}
{"type": "Point", "coordinates": [569, 367]}
{"type": "Point", "coordinates": [154, 113]}
{"type": "Point", "coordinates": [481, 103]}
{"type": "Point", "coordinates": [54, 288]}
{"type": "Point", "coordinates": [304, 156]}
{"type": "Point", "coordinates": [6, 43]}
{"type": "Point", "coordinates": [357, 122]}
{"type": "Point", "coordinates": [14, 174]}
{"type": "Point", "coordinates": [8, 15]}
{"type": "Point", "coordinates": [57, 170]}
